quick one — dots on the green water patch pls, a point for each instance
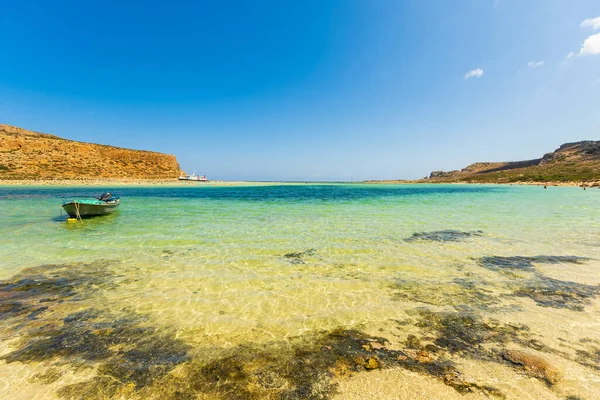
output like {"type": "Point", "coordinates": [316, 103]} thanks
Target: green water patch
{"type": "Point", "coordinates": [443, 236]}
{"type": "Point", "coordinates": [299, 257]}
{"type": "Point", "coordinates": [524, 263]}
{"type": "Point", "coordinates": [549, 292]}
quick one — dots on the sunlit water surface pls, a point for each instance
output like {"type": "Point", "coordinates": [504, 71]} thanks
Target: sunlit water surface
{"type": "Point", "coordinates": [240, 288]}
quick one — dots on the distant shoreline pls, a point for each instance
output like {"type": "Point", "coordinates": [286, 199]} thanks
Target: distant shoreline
{"type": "Point", "coordinates": [115, 182]}
{"type": "Point", "coordinates": [178, 183]}
{"type": "Point", "coordinates": [526, 183]}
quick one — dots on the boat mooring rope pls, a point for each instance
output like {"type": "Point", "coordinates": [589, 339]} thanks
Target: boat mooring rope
{"type": "Point", "coordinates": [77, 212]}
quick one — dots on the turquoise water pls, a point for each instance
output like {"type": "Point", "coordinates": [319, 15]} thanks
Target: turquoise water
{"type": "Point", "coordinates": [241, 288]}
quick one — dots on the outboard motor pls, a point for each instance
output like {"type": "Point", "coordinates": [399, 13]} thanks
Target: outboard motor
{"type": "Point", "coordinates": [105, 197]}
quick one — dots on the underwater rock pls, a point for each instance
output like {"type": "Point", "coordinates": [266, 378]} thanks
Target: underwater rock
{"type": "Point", "coordinates": [297, 258]}
{"type": "Point", "coordinates": [443, 236]}
{"type": "Point", "coordinates": [533, 365]}
{"type": "Point", "coordinates": [548, 292]}
{"type": "Point", "coordinates": [521, 263]}
{"type": "Point", "coordinates": [372, 363]}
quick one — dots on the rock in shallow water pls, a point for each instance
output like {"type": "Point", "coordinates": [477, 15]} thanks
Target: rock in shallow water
{"type": "Point", "coordinates": [533, 365]}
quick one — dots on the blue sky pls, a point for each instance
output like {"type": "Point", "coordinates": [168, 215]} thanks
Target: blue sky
{"type": "Point", "coordinates": [307, 90]}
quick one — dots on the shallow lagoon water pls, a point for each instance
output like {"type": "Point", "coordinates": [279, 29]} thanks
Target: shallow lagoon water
{"type": "Point", "coordinates": [301, 291]}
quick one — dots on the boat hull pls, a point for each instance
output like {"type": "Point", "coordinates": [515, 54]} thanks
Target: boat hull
{"type": "Point", "coordinates": [89, 210]}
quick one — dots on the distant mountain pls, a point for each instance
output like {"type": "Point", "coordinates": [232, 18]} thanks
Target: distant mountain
{"type": "Point", "coordinates": [31, 155]}
{"type": "Point", "coordinates": [571, 162]}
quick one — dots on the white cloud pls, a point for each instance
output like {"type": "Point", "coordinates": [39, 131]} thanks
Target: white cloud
{"type": "Point", "coordinates": [474, 73]}
{"type": "Point", "coordinates": [590, 46]}
{"type": "Point", "coordinates": [593, 23]}
{"type": "Point", "coordinates": [535, 64]}
{"type": "Point", "coordinates": [571, 54]}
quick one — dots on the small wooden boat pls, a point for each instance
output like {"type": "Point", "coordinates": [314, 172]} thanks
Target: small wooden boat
{"type": "Point", "coordinates": [105, 204]}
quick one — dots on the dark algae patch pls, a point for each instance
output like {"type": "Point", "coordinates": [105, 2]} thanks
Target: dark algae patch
{"type": "Point", "coordinates": [133, 359]}
{"type": "Point", "coordinates": [548, 292]}
{"type": "Point", "coordinates": [460, 292]}
{"type": "Point", "coordinates": [471, 335]}
{"type": "Point", "coordinates": [298, 257]}
{"type": "Point", "coordinates": [304, 368]}
{"type": "Point", "coordinates": [123, 355]}
{"type": "Point", "coordinates": [523, 263]}
{"type": "Point", "coordinates": [128, 357]}
{"type": "Point", "coordinates": [590, 355]}
{"type": "Point", "coordinates": [34, 290]}
{"type": "Point", "coordinates": [128, 354]}
{"type": "Point", "coordinates": [126, 346]}
{"type": "Point", "coordinates": [466, 333]}
{"type": "Point", "coordinates": [122, 346]}
{"type": "Point", "coordinates": [545, 291]}
{"type": "Point", "coordinates": [443, 236]}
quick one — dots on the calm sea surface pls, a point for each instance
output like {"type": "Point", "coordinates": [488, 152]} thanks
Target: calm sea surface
{"type": "Point", "coordinates": [302, 292]}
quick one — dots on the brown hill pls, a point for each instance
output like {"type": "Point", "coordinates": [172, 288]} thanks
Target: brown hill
{"type": "Point", "coordinates": [571, 162]}
{"type": "Point", "coordinates": [31, 155]}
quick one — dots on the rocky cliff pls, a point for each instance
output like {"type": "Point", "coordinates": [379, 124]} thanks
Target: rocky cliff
{"type": "Point", "coordinates": [31, 155]}
{"type": "Point", "coordinates": [571, 162]}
